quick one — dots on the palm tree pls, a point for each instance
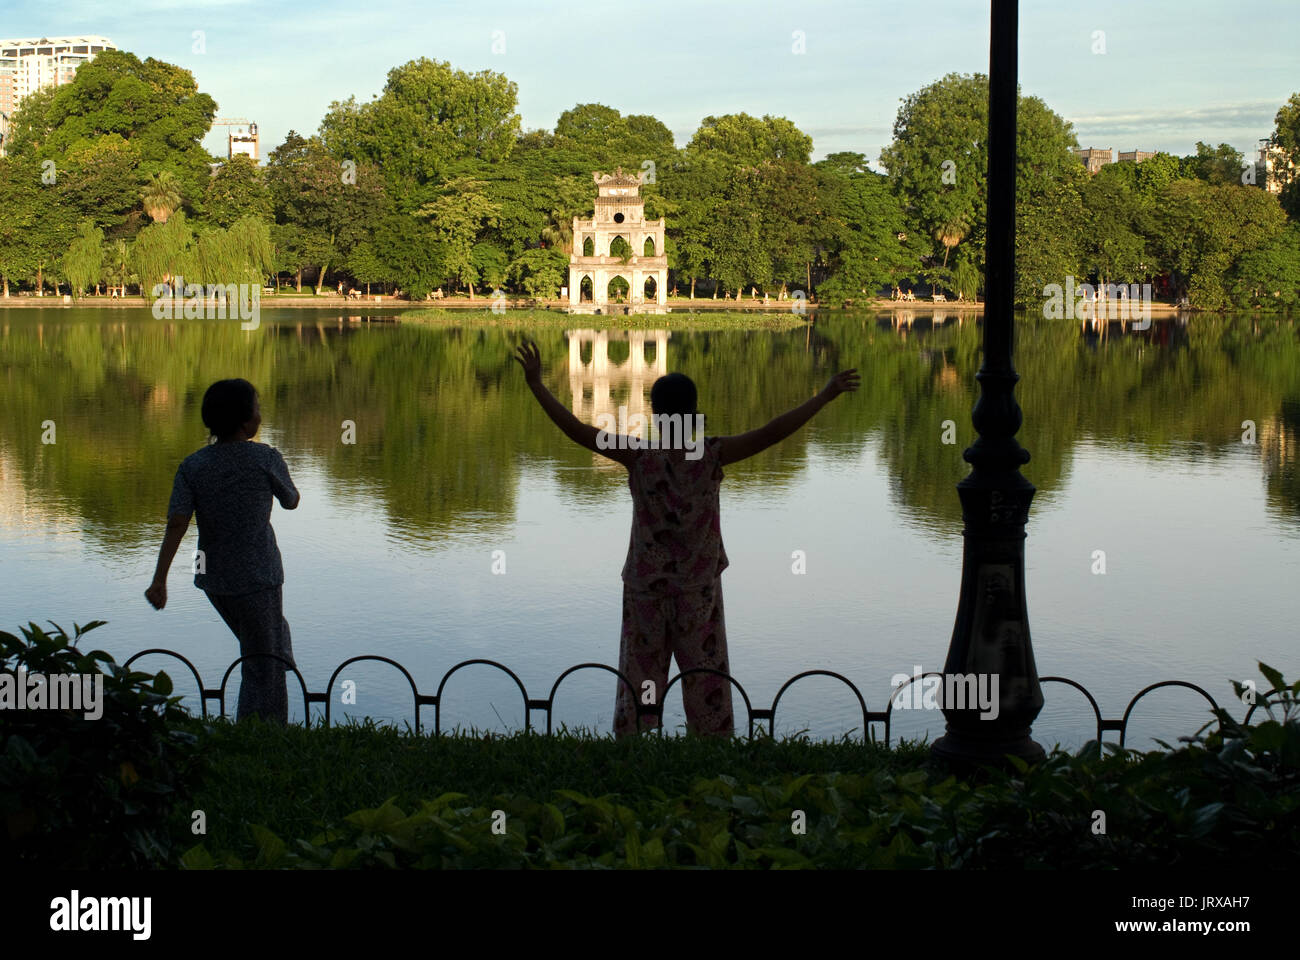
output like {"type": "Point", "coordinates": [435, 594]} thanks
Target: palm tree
{"type": "Point", "coordinates": [161, 196]}
{"type": "Point", "coordinates": [950, 233]}
{"type": "Point", "coordinates": [558, 233]}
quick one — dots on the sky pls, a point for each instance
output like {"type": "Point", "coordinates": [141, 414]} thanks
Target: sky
{"type": "Point", "coordinates": [1145, 74]}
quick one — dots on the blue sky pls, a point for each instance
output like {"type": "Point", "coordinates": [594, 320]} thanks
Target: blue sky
{"type": "Point", "coordinates": [1172, 72]}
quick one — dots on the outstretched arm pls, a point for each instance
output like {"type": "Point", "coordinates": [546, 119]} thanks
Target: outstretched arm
{"type": "Point", "coordinates": [743, 445]}
{"type": "Point", "coordinates": [583, 434]}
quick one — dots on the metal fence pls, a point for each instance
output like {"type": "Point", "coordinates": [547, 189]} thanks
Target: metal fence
{"type": "Point", "coordinates": [646, 711]}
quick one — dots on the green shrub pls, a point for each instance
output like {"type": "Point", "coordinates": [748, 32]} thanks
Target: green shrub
{"type": "Point", "coordinates": [78, 792]}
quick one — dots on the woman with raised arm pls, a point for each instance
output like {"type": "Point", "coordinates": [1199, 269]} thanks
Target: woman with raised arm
{"type": "Point", "coordinates": [672, 586]}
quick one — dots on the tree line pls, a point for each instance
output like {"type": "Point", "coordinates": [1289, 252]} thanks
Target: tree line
{"type": "Point", "coordinates": [434, 185]}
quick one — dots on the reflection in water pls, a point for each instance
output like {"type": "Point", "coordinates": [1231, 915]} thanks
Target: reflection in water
{"type": "Point", "coordinates": [453, 460]}
{"type": "Point", "coordinates": [590, 381]}
{"type": "Point", "coordinates": [903, 320]}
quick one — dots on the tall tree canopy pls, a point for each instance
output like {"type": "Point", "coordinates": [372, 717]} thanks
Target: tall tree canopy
{"type": "Point", "coordinates": [428, 116]}
{"type": "Point", "coordinates": [155, 108]}
{"type": "Point", "coordinates": [938, 160]}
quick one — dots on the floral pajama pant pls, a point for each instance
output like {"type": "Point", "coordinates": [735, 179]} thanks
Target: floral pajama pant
{"type": "Point", "coordinates": [257, 620]}
{"type": "Point", "coordinates": [688, 626]}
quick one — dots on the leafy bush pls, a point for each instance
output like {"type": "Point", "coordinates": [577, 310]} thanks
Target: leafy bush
{"type": "Point", "coordinates": [78, 792]}
{"type": "Point", "coordinates": [1228, 798]}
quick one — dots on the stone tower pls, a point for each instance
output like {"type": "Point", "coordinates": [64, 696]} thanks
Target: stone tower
{"type": "Point", "coordinates": [620, 212]}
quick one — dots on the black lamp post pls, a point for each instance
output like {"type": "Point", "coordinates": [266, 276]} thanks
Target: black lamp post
{"type": "Point", "coordinates": [991, 633]}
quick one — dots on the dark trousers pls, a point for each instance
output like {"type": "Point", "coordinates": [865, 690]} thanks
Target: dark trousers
{"type": "Point", "coordinates": [257, 620]}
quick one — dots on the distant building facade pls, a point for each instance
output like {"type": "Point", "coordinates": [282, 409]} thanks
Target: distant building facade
{"type": "Point", "coordinates": [1094, 158]}
{"type": "Point", "coordinates": [242, 139]}
{"type": "Point", "coordinates": [593, 267]}
{"type": "Point", "coordinates": [28, 65]}
{"type": "Point", "coordinates": [1273, 169]}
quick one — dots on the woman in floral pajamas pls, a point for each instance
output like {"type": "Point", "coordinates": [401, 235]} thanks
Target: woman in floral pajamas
{"type": "Point", "coordinates": [672, 587]}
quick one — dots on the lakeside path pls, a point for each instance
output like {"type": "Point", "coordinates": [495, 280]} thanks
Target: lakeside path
{"type": "Point", "coordinates": [676, 305]}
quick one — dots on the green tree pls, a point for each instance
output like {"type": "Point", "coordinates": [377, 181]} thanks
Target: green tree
{"type": "Point", "coordinates": [427, 117]}
{"type": "Point", "coordinates": [21, 214]}
{"type": "Point", "coordinates": [99, 181]}
{"type": "Point", "coordinates": [83, 264]}
{"type": "Point", "coordinates": [1201, 230]}
{"type": "Point", "coordinates": [237, 189]}
{"type": "Point", "coordinates": [1220, 166]}
{"type": "Point", "coordinates": [161, 196]}
{"type": "Point", "coordinates": [1048, 241]}
{"type": "Point", "coordinates": [154, 106]}
{"type": "Point", "coordinates": [938, 159]}
{"type": "Point", "coordinates": [864, 245]}
{"type": "Point", "coordinates": [163, 251]}
{"type": "Point", "coordinates": [746, 141]}
{"type": "Point", "coordinates": [1113, 248]}
{"type": "Point", "coordinates": [540, 272]}
{"type": "Point", "coordinates": [1286, 137]}
{"type": "Point", "coordinates": [458, 217]}
{"type": "Point", "coordinates": [117, 265]}
{"type": "Point", "coordinates": [330, 206]}
{"type": "Point", "coordinates": [1269, 275]}
{"type": "Point", "coordinates": [603, 139]}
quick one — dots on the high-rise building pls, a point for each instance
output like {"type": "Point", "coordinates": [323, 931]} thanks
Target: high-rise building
{"type": "Point", "coordinates": [30, 65]}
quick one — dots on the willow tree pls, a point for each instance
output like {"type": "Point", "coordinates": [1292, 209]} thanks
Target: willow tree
{"type": "Point", "coordinates": [241, 253]}
{"type": "Point", "coordinates": [83, 264]}
{"type": "Point", "coordinates": [163, 251]}
{"type": "Point", "coordinates": [117, 266]}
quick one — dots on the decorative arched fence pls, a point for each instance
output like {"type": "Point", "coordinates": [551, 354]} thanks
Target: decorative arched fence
{"type": "Point", "coordinates": [768, 714]}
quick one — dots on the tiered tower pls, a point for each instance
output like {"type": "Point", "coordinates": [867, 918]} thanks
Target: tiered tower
{"type": "Point", "coordinates": [620, 212]}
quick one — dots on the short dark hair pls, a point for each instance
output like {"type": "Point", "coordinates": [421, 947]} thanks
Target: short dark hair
{"type": "Point", "coordinates": [227, 406]}
{"type": "Point", "coordinates": [673, 393]}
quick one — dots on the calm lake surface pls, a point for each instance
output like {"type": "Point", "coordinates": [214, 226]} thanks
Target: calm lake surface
{"type": "Point", "coordinates": [1136, 439]}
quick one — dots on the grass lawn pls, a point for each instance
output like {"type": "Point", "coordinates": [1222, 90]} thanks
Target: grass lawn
{"type": "Point", "coordinates": [368, 796]}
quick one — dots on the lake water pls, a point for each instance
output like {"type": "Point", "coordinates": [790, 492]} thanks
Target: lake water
{"type": "Point", "coordinates": [1136, 439]}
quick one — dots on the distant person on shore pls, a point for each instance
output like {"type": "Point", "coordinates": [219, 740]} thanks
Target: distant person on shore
{"type": "Point", "coordinates": [672, 587]}
{"type": "Point", "coordinates": [229, 484]}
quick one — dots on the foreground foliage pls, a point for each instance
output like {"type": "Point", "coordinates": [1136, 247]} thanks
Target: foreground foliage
{"type": "Point", "coordinates": [1230, 798]}
{"type": "Point", "coordinates": [80, 792]}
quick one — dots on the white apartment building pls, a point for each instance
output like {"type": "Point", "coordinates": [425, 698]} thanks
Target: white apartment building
{"type": "Point", "coordinates": [28, 65]}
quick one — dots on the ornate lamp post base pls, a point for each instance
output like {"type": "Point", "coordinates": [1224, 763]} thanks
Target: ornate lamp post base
{"type": "Point", "coordinates": [990, 639]}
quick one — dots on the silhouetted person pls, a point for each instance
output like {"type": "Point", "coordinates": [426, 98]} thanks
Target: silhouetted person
{"type": "Point", "coordinates": [229, 485]}
{"type": "Point", "coordinates": [672, 587]}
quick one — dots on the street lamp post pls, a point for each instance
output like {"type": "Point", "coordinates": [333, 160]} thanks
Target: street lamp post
{"type": "Point", "coordinates": [991, 633]}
